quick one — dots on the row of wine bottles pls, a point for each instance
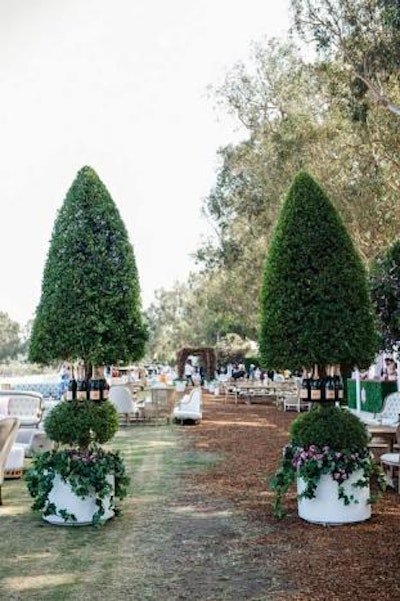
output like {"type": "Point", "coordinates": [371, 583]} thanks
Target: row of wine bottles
{"type": "Point", "coordinates": [95, 388]}
{"type": "Point", "coordinates": [329, 389]}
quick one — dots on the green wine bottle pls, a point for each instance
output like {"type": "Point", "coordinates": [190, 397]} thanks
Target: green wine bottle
{"type": "Point", "coordinates": [71, 390]}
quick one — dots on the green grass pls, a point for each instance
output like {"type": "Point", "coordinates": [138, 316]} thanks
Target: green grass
{"type": "Point", "coordinates": [53, 563]}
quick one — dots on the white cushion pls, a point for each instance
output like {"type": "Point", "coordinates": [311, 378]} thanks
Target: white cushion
{"type": "Point", "coordinates": [391, 458]}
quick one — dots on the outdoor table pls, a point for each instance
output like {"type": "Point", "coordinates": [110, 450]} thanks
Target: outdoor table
{"type": "Point", "coordinates": [250, 390]}
{"type": "Point", "coordinates": [387, 433]}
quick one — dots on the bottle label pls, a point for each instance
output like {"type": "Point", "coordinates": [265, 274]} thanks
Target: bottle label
{"type": "Point", "coordinates": [81, 395]}
{"type": "Point", "coordinates": [304, 393]}
{"type": "Point", "coordinates": [315, 395]}
{"type": "Point", "coordinates": [95, 395]}
{"type": "Point", "coordinates": [70, 395]}
{"type": "Point", "coordinates": [330, 394]}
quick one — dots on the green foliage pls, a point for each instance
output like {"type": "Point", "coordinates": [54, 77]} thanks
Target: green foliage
{"type": "Point", "coordinates": [385, 294]}
{"type": "Point", "coordinates": [325, 441]}
{"type": "Point", "coordinates": [365, 34]}
{"type": "Point", "coordinates": [81, 422]}
{"type": "Point", "coordinates": [10, 344]}
{"type": "Point", "coordinates": [333, 426]}
{"type": "Point", "coordinates": [85, 471]}
{"type": "Point", "coordinates": [315, 306]}
{"type": "Point", "coordinates": [90, 302]}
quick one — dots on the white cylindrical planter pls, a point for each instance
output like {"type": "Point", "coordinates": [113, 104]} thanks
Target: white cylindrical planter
{"type": "Point", "coordinates": [84, 509]}
{"type": "Point", "coordinates": [327, 508]}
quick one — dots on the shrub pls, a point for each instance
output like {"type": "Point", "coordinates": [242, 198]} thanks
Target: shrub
{"type": "Point", "coordinates": [81, 423]}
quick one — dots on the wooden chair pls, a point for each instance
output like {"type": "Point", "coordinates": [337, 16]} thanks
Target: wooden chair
{"type": "Point", "coordinates": [291, 399]}
{"type": "Point", "coordinates": [8, 433]}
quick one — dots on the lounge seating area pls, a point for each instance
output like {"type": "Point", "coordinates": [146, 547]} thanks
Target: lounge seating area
{"type": "Point", "coordinates": [27, 406]}
{"type": "Point", "coordinates": [388, 416]}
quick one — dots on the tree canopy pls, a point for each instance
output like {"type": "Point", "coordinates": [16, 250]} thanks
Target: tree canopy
{"type": "Point", "coordinates": [385, 293]}
{"type": "Point", "coordinates": [315, 305]}
{"type": "Point", "coordinates": [90, 306]}
{"type": "Point", "coordinates": [10, 343]}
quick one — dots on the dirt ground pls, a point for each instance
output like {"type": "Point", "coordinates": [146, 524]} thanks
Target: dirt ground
{"type": "Point", "coordinates": [287, 559]}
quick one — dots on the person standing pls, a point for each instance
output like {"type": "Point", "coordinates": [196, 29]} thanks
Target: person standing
{"type": "Point", "coordinates": [189, 372]}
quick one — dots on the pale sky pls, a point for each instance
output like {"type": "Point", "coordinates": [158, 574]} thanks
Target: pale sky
{"type": "Point", "coordinates": [119, 85]}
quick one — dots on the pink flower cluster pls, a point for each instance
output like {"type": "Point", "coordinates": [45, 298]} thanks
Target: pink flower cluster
{"type": "Point", "coordinates": [340, 465]}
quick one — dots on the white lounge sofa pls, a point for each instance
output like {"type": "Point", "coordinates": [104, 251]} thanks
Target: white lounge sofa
{"type": "Point", "coordinates": [121, 397]}
{"type": "Point", "coordinates": [388, 416]}
{"type": "Point", "coordinates": [189, 407]}
{"type": "Point", "coordinates": [27, 406]}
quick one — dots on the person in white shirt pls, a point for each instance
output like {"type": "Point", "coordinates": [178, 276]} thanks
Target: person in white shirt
{"type": "Point", "coordinates": [189, 372]}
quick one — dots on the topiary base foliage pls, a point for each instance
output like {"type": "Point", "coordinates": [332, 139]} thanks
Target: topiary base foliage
{"type": "Point", "coordinates": [79, 423]}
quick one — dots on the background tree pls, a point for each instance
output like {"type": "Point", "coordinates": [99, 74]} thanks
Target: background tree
{"type": "Point", "coordinates": [294, 114]}
{"type": "Point", "coordinates": [90, 305]}
{"type": "Point", "coordinates": [365, 36]}
{"type": "Point", "coordinates": [10, 343]}
{"type": "Point", "coordinates": [385, 293]}
{"type": "Point", "coordinates": [315, 306]}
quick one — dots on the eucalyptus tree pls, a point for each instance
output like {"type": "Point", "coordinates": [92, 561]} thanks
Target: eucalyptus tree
{"type": "Point", "coordinates": [315, 304]}
{"type": "Point", "coordinates": [169, 328]}
{"type": "Point", "coordinates": [90, 306]}
{"type": "Point", "coordinates": [297, 116]}
{"type": "Point", "coordinates": [365, 36]}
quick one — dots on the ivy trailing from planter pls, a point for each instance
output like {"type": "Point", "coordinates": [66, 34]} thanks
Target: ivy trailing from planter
{"type": "Point", "coordinates": [84, 465]}
{"type": "Point", "coordinates": [85, 471]}
{"type": "Point", "coordinates": [326, 441]}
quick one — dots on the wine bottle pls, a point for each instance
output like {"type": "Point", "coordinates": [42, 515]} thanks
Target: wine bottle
{"type": "Point", "coordinates": [305, 390]}
{"type": "Point", "coordinates": [71, 390]}
{"type": "Point", "coordinates": [94, 387]}
{"type": "Point", "coordinates": [81, 386]}
{"type": "Point", "coordinates": [338, 389]}
{"type": "Point", "coordinates": [315, 386]}
{"type": "Point", "coordinates": [104, 389]}
{"type": "Point", "coordinates": [329, 389]}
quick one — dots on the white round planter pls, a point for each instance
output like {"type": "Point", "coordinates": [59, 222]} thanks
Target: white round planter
{"type": "Point", "coordinates": [327, 508]}
{"type": "Point", "coordinates": [83, 509]}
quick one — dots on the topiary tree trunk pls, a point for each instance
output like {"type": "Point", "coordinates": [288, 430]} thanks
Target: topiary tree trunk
{"type": "Point", "coordinates": [315, 305]}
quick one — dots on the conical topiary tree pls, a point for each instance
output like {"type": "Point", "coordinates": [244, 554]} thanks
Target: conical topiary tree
{"type": "Point", "coordinates": [315, 305]}
{"type": "Point", "coordinates": [385, 294]}
{"type": "Point", "coordinates": [90, 305]}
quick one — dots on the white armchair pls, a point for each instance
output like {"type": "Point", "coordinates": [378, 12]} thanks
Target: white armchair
{"type": "Point", "coordinates": [122, 399]}
{"type": "Point", "coordinates": [189, 407]}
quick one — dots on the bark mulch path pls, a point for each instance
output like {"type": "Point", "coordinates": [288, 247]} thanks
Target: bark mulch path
{"type": "Point", "coordinates": [312, 562]}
